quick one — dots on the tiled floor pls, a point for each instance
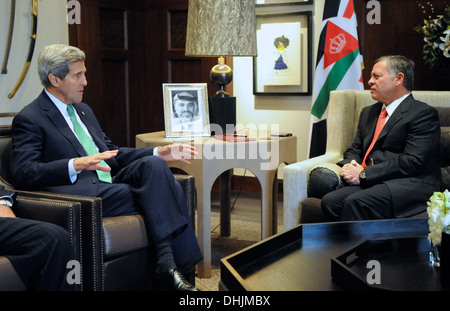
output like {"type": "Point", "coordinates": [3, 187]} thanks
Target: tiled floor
{"type": "Point", "coordinates": [243, 234]}
{"type": "Point", "coordinates": [247, 205]}
{"type": "Point", "coordinates": [245, 230]}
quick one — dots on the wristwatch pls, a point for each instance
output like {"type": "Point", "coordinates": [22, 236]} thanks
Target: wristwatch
{"type": "Point", "coordinates": [362, 176]}
{"type": "Point", "coordinates": [6, 202]}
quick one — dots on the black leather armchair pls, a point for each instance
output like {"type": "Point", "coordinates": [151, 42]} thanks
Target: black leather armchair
{"type": "Point", "coordinates": [10, 279]}
{"type": "Point", "coordinates": [63, 213]}
{"type": "Point", "coordinates": [115, 252]}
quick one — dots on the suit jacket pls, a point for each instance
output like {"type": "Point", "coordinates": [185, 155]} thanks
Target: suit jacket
{"type": "Point", "coordinates": [43, 144]}
{"type": "Point", "coordinates": [406, 155]}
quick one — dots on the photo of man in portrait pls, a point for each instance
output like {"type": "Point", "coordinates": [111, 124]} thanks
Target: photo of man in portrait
{"type": "Point", "coordinates": [186, 113]}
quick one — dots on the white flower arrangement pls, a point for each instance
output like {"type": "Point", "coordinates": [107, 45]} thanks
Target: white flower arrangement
{"type": "Point", "coordinates": [436, 34]}
{"type": "Point", "coordinates": [445, 47]}
{"type": "Point", "coordinates": [438, 215]}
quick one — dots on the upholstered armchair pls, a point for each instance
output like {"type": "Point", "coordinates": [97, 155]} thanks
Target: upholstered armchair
{"type": "Point", "coordinates": [304, 183]}
{"type": "Point", "coordinates": [114, 252]}
{"type": "Point", "coordinates": [117, 254]}
{"type": "Point", "coordinates": [63, 213]}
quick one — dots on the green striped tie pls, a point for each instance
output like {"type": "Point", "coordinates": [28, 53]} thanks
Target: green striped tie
{"type": "Point", "coordinates": [87, 143]}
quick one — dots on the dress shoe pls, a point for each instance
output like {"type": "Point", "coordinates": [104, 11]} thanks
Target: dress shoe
{"type": "Point", "coordinates": [173, 280]}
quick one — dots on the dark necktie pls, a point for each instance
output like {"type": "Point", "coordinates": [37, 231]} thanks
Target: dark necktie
{"type": "Point", "coordinates": [380, 124]}
{"type": "Point", "coordinates": [87, 143]}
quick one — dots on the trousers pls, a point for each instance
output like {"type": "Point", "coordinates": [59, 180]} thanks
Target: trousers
{"type": "Point", "coordinates": [147, 186]}
{"type": "Point", "coordinates": [39, 252]}
{"type": "Point", "coordinates": [357, 203]}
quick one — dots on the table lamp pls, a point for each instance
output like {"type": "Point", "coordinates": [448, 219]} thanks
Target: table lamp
{"type": "Point", "coordinates": [221, 28]}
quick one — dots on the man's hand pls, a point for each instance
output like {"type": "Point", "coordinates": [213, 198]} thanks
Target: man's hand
{"type": "Point", "coordinates": [174, 152]}
{"type": "Point", "coordinates": [350, 172]}
{"type": "Point", "coordinates": [91, 162]}
{"type": "Point", "coordinates": [5, 211]}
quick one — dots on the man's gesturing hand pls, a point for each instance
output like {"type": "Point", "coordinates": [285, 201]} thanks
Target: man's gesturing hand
{"type": "Point", "coordinates": [91, 162]}
{"type": "Point", "coordinates": [175, 152]}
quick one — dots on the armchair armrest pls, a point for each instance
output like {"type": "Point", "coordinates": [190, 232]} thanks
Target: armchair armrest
{"type": "Point", "coordinates": [10, 279]}
{"type": "Point", "coordinates": [295, 185]}
{"type": "Point", "coordinates": [62, 213]}
{"type": "Point", "coordinates": [91, 223]}
{"type": "Point", "coordinates": [91, 226]}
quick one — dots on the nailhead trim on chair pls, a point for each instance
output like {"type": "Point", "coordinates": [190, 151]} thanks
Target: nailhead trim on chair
{"type": "Point", "coordinates": [91, 201]}
{"type": "Point", "coordinates": [23, 199]}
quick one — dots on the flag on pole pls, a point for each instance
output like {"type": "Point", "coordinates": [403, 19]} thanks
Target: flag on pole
{"type": "Point", "coordinates": [339, 65]}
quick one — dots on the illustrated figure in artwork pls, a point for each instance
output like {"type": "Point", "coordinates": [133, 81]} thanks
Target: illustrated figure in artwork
{"type": "Point", "coordinates": [281, 43]}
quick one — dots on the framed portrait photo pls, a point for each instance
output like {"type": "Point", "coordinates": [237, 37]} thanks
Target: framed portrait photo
{"type": "Point", "coordinates": [186, 109]}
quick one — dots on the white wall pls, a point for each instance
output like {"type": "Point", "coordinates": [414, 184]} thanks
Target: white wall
{"type": "Point", "coordinates": [51, 28]}
{"type": "Point", "coordinates": [292, 113]}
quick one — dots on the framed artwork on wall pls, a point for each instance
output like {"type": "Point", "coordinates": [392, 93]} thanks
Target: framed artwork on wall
{"type": "Point", "coordinates": [260, 3]}
{"type": "Point", "coordinates": [283, 65]}
{"type": "Point", "coordinates": [186, 109]}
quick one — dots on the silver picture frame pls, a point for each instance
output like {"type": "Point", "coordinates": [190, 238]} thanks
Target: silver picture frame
{"type": "Point", "coordinates": [186, 109]}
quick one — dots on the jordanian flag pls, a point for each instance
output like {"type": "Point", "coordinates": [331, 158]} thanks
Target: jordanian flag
{"type": "Point", "coordinates": [339, 65]}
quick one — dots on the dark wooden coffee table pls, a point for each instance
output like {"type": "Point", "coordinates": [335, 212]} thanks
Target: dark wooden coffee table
{"type": "Point", "coordinates": [300, 259]}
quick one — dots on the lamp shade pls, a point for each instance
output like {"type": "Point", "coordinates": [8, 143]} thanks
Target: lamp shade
{"type": "Point", "coordinates": [221, 28]}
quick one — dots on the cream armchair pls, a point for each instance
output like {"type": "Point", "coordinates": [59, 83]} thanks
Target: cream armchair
{"type": "Point", "coordinates": [343, 112]}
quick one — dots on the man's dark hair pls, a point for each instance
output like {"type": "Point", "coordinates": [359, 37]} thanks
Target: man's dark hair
{"type": "Point", "coordinates": [399, 63]}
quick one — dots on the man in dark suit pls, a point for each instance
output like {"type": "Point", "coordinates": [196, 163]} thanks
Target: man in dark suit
{"type": "Point", "coordinates": [38, 251]}
{"type": "Point", "coordinates": [396, 174]}
{"type": "Point", "coordinates": [58, 145]}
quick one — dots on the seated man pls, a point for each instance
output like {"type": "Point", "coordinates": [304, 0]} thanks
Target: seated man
{"type": "Point", "coordinates": [393, 165]}
{"type": "Point", "coordinates": [38, 251]}
{"type": "Point", "coordinates": [58, 145]}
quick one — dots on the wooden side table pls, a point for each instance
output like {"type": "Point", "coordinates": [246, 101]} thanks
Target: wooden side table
{"type": "Point", "coordinates": [261, 155]}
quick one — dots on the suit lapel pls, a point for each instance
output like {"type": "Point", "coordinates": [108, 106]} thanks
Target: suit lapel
{"type": "Point", "coordinates": [60, 123]}
{"type": "Point", "coordinates": [397, 115]}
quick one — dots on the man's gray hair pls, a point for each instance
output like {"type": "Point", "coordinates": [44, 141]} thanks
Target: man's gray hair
{"type": "Point", "coordinates": [56, 59]}
{"type": "Point", "coordinates": [399, 63]}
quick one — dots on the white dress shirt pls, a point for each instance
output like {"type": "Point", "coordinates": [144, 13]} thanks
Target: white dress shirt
{"type": "Point", "coordinates": [62, 107]}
